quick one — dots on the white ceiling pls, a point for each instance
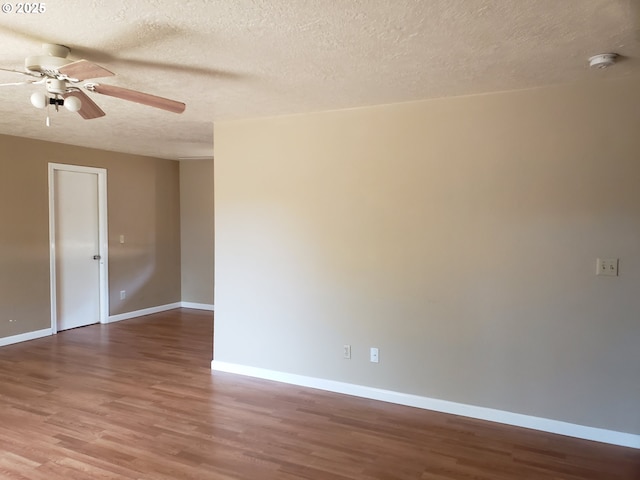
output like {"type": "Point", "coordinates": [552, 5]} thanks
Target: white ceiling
{"type": "Point", "coordinates": [229, 59]}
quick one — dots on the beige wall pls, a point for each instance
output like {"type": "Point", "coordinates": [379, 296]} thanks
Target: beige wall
{"type": "Point", "coordinates": [143, 205]}
{"type": "Point", "coordinates": [458, 235]}
{"type": "Point", "coordinates": [196, 221]}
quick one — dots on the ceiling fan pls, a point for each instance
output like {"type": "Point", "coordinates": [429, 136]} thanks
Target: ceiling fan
{"type": "Point", "coordinates": [63, 79]}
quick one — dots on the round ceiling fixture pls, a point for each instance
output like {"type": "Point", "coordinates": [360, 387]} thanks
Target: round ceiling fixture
{"type": "Point", "coordinates": [603, 60]}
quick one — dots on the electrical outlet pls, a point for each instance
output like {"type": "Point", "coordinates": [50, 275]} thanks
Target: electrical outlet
{"type": "Point", "coordinates": [607, 266]}
{"type": "Point", "coordinates": [346, 351]}
{"type": "Point", "coordinates": [123, 294]}
{"type": "Point", "coordinates": [374, 355]}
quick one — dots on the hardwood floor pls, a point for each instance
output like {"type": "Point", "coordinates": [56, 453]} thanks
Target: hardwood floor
{"type": "Point", "coordinates": [137, 400]}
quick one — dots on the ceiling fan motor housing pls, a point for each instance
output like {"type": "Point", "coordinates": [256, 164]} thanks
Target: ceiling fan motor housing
{"type": "Point", "coordinates": [44, 63]}
{"type": "Point", "coordinates": [54, 58]}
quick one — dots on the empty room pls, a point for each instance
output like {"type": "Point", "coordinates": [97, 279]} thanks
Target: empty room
{"type": "Point", "coordinates": [320, 240]}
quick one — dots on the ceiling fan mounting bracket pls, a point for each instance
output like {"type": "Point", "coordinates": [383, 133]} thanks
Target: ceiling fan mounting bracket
{"type": "Point", "coordinates": [54, 50]}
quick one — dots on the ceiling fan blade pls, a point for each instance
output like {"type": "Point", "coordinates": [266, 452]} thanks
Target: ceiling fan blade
{"type": "Point", "coordinates": [89, 109]}
{"type": "Point", "coordinates": [30, 74]}
{"type": "Point", "coordinates": [139, 97]}
{"type": "Point", "coordinates": [83, 70]}
{"type": "Point", "coordinates": [26, 82]}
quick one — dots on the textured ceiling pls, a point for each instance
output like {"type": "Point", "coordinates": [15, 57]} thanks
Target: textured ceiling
{"type": "Point", "coordinates": [229, 59]}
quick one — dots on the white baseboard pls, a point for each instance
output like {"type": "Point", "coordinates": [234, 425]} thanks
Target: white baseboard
{"type": "Point", "coordinates": [198, 306]}
{"type": "Point", "coordinates": [23, 337]}
{"type": "Point", "coordinates": [444, 406]}
{"type": "Point", "coordinates": [145, 311]}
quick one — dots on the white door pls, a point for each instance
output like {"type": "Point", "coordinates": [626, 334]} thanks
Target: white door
{"type": "Point", "coordinates": [77, 256]}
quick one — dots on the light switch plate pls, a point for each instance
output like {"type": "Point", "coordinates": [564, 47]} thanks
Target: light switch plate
{"type": "Point", "coordinates": [607, 267]}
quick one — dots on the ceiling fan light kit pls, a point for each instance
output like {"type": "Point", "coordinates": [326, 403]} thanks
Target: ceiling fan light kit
{"type": "Point", "coordinates": [73, 104]}
{"type": "Point", "coordinates": [62, 78]}
{"type": "Point", "coordinates": [39, 99]}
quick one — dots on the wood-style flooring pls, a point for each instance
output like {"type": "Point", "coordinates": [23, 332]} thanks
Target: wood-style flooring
{"type": "Point", "coordinates": [137, 400]}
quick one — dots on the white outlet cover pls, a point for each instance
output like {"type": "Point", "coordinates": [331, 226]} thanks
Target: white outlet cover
{"type": "Point", "coordinates": [373, 355]}
{"type": "Point", "coordinates": [346, 351]}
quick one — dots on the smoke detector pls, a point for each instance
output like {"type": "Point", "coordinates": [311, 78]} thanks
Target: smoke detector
{"type": "Point", "coordinates": [603, 60]}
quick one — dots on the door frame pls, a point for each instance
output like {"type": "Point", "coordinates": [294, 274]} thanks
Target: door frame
{"type": "Point", "coordinates": [102, 239]}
